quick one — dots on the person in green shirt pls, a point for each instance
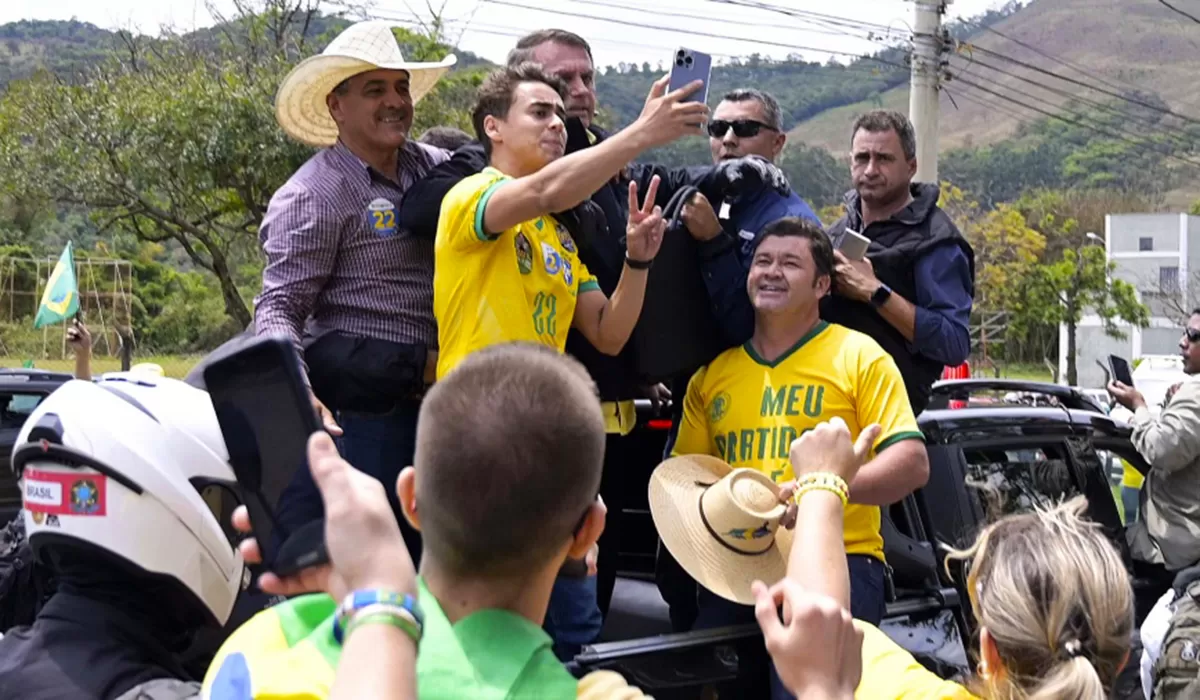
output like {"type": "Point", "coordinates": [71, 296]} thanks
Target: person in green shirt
{"type": "Point", "coordinates": [504, 489]}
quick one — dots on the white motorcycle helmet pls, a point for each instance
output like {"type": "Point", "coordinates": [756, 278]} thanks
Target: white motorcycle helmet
{"type": "Point", "coordinates": [118, 466]}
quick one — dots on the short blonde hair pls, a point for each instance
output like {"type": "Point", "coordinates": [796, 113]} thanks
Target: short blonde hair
{"type": "Point", "coordinates": [1055, 597]}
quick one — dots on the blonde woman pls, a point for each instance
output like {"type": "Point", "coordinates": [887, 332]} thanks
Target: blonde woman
{"type": "Point", "coordinates": [1049, 591]}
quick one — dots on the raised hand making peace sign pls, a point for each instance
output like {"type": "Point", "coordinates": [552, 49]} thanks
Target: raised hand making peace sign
{"type": "Point", "coordinates": [644, 234]}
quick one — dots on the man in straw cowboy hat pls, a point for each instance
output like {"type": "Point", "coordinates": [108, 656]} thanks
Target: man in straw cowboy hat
{"type": "Point", "coordinates": [339, 272]}
{"type": "Point", "coordinates": [749, 404]}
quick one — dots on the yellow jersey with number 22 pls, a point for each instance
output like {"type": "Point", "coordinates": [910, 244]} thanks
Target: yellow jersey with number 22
{"type": "Point", "coordinates": [489, 288]}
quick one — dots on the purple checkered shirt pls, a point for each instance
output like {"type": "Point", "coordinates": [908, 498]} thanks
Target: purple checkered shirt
{"type": "Point", "coordinates": [329, 266]}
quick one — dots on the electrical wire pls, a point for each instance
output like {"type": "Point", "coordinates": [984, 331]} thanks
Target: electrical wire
{"type": "Point", "coordinates": [691, 32]}
{"type": "Point", "coordinates": [1144, 121]}
{"type": "Point", "coordinates": [1074, 81]}
{"type": "Point", "coordinates": [1176, 9]}
{"type": "Point", "coordinates": [1076, 122]}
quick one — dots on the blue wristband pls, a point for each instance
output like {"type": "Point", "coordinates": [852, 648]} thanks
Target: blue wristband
{"type": "Point", "coordinates": [361, 599]}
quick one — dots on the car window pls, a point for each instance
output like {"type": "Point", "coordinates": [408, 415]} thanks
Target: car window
{"type": "Point", "coordinates": [15, 408]}
{"type": "Point", "coordinates": [1016, 479]}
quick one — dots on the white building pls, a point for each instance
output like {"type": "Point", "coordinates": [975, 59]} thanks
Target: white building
{"type": "Point", "coordinates": [1159, 254]}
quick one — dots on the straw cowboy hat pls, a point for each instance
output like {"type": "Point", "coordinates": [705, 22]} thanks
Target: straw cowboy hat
{"type": "Point", "coordinates": [721, 524]}
{"type": "Point", "coordinates": [300, 103]}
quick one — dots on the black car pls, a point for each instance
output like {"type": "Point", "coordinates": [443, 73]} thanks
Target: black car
{"type": "Point", "coordinates": [21, 390]}
{"type": "Point", "coordinates": [990, 456]}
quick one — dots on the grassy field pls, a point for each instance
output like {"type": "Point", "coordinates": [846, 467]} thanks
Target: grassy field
{"type": "Point", "coordinates": [176, 366]}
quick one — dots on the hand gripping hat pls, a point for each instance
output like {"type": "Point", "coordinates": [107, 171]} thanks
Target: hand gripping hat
{"type": "Point", "coordinates": [721, 524]}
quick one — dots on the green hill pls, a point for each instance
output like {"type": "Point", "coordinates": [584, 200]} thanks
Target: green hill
{"type": "Point", "coordinates": [1128, 44]}
{"type": "Point", "coordinates": [68, 47]}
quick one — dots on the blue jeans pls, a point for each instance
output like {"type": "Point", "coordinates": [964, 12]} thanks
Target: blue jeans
{"type": "Point", "coordinates": [573, 618]}
{"type": "Point", "coordinates": [379, 444]}
{"type": "Point", "coordinates": [868, 601]}
{"type": "Point", "coordinates": [1129, 501]}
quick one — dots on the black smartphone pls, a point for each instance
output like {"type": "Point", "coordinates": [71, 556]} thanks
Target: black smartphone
{"type": "Point", "coordinates": [266, 419]}
{"type": "Point", "coordinates": [1120, 370]}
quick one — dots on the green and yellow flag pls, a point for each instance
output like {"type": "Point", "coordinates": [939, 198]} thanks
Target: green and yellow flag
{"type": "Point", "coordinates": [60, 301]}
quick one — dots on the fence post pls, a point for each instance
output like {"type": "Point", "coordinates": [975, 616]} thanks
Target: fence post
{"type": "Point", "coordinates": [126, 350]}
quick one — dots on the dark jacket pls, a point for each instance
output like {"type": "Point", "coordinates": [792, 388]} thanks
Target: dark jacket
{"type": "Point", "coordinates": [896, 245]}
{"type": "Point", "coordinates": [597, 225]}
{"type": "Point", "coordinates": [80, 648]}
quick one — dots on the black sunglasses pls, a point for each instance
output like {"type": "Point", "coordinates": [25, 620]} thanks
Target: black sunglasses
{"type": "Point", "coordinates": [1193, 334]}
{"type": "Point", "coordinates": [742, 128]}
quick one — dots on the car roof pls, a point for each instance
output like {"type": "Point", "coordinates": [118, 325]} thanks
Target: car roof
{"type": "Point", "coordinates": [958, 404]}
{"type": "Point", "coordinates": [31, 379]}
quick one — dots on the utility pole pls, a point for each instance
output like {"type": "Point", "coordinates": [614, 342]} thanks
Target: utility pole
{"type": "Point", "coordinates": [928, 45]}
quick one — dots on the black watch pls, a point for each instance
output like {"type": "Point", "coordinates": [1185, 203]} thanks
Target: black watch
{"type": "Point", "coordinates": [638, 264]}
{"type": "Point", "coordinates": [881, 295]}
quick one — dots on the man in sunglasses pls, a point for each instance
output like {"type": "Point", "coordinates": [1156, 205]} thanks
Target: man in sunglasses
{"type": "Point", "coordinates": [747, 123]}
{"type": "Point", "coordinates": [1166, 536]}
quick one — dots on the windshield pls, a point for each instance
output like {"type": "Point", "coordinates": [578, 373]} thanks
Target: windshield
{"type": "Point", "coordinates": [15, 408]}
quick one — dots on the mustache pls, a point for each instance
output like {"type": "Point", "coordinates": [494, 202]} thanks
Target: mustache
{"type": "Point", "coordinates": [397, 113]}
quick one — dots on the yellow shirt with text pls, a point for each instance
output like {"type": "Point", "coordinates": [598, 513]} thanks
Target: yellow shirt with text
{"type": "Point", "coordinates": [747, 411]}
{"type": "Point", "coordinates": [489, 288]}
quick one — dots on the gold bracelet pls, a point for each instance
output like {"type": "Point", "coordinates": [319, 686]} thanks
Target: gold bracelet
{"type": "Point", "coordinates": [826, 481]}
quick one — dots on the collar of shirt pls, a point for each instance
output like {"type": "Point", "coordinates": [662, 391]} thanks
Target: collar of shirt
{"type": "Point", "coordinates": [412, 162]}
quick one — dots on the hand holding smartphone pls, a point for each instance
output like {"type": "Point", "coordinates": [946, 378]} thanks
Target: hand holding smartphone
{"type": "Point", "coordinates": [854, 245]}
{"type": "Point", "coordinates": [1120, 370]}
{"type": "Point", "coordinates": [266, 418]}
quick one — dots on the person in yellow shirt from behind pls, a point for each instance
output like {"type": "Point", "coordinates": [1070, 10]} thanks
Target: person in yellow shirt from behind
{"type": "Point", "coordinates": [797, 371]}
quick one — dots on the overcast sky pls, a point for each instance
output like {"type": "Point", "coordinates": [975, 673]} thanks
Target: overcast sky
{"type": "Point", "coordinates": [619, 30]}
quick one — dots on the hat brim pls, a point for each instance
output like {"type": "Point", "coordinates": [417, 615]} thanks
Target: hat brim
{"type": "Point", "coordinates": [300, 106]}
{"type": "Point", "coordinates": [675, 489]}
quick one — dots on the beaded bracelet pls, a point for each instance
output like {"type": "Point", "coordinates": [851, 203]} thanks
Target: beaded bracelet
{"type": "Point", "coordinates": [361, 600]}
{"type": "Point", "coordinates": [823, 481]}
{"type": "Point", "coordinates": [393, 615]}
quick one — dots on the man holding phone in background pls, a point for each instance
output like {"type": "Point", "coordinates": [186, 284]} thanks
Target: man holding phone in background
{"type": "Point", "coordinates": [914, 290]}
{"type": "Point", "coordinates": [1166, 536]}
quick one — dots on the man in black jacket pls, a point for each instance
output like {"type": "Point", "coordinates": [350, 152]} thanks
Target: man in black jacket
{"type": "Point", "coordinates": [598, 227]}
{"type": "Point", "coordinates": [914, 289]}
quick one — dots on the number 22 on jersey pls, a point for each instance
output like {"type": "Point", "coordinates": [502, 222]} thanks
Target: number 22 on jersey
{"type": "Point", "coordinates": [545, 312]}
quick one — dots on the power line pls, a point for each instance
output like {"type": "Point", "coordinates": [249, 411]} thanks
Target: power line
{"type": "Point", "coordinates": [1075, 122]}
{"type": "Point", "coordinates": [806, 14]}
{"type": "Point", "coordinates": [1176, 9]}
{"type": "Point", "coordinates": [1052, 74]}
{"type": "Point", "coordinates": [1144, 121]}
{"type": "Point", "coordinates": [722, 20]}
{"type": "Point", "coordinates": [691, 32]}
{"type": "Point", "coordinates": [461, 26]}
{"type": "Point", "coordinates": [1056, 59]}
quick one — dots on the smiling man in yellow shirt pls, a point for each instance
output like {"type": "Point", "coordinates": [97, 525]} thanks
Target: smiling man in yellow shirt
{"type": "Point", "coordinates": [751, 402]}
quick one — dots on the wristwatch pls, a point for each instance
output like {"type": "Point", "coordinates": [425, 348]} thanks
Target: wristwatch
{"type": "Point", "coordinates": [881, 295]}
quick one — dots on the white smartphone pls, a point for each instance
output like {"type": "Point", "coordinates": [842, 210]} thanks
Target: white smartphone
{"type": "Point", "coordinates": [854, 245]}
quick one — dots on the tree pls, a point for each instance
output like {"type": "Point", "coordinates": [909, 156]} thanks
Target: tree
{"type": "Point", "coordinates": [1059, 292]}
{"type": "Point", "coordinates": [175, 141]}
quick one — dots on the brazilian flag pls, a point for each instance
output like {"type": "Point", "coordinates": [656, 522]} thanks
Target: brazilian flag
{"type": "Point", "coordinates": [60, 301]}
